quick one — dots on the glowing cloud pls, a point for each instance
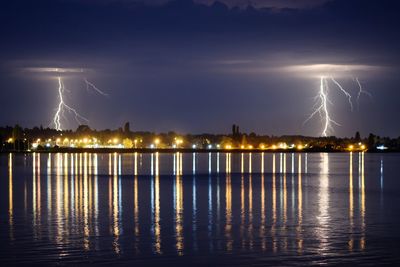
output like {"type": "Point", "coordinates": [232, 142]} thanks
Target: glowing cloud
{"type": "Point", "coordinates": [336, 70]}
{"type": "Point", "coordinates": [51, 70]}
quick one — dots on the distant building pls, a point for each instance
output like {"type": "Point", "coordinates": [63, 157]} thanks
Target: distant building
{"type": "Point", "coordinates": [127, 128]}
{"type": "Point", "coordinates": [235, 130]}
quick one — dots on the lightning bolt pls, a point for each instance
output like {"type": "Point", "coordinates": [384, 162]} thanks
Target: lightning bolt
{"type": "Point", "coordinates": [321, 107]}
{"type": "Point", "coordinates": [62, 107]}
{"type": "Point", "coordinates": [343, 91]}
{"type": "Point", "coordinates": [322, 101]}
{"type": "Point", "coordinates": [360, 92]}
{"type": "Point", "coordinates": [94, 87]}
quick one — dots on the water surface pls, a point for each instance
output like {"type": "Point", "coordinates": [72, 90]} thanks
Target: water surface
{"type": "Point", "coordinates": [201, 208]}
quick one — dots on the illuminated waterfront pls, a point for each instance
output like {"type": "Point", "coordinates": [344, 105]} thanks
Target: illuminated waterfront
{"type": "Point", "coordinates": [267, 208]}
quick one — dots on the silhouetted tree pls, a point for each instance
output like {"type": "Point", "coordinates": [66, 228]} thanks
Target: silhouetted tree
{"type": "Point", "coordinates": [16, 136]}
{"type": "Point", "coordinates": [371, 140]}
{"type": "Point", "coordinates": [83, 129]}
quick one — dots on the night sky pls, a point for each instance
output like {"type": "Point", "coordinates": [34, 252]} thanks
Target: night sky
{"type": "Point", "coordinates": [196, 67]}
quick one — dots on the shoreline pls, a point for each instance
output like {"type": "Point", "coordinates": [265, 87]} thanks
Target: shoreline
{"type": "Point", "coordinates": [184, 150]}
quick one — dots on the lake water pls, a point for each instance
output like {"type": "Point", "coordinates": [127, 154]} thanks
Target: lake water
{"type": "Point", "coordinates": [200, 209]}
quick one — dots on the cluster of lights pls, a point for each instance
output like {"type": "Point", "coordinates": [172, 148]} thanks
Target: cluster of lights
{"type": "Point", "coordinates": [272, 147]}
{"type": "Point", "coordinates": [91, 142]}
{"type": "Point", "coordinates": [66, 142]}
{"type": "Point", "coordinates": [357, 147]}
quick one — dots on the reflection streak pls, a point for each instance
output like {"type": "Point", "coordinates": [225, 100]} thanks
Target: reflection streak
{"type": "Point", "coordinates": [274, 216]}
{"type": "Point", "coordinates": [179, 214]}
{"type": "Point", "coordinates": [323, 203]}
{"type": "Point", "coordinates": [10, 196]}
{"type": "Point", "coordinates": [242, 209]}
{"type": "Point", "coordinates": [136, 211]}
{"type": "Point", "coordinates": [96, 193]}
{"type": "Point", "coordinates": [194, 214]}
{"type": "Point", "coordinates": [262, 226]}
{"type": "Point", "coordinates": [250, 213]}
{"type": "Point", "coordinates": [241, 163]}
{"type": "Point", "coordinates": [300, 209]}
{"type": "Point", "coordinates": [194, 163]}
{"type": "Point", "coordinates": [115, 201]}
{"type": "Point", "coordinates": [218, 162]}
{"type": "Point", "coordinates": [156, 227]}
{"type": "Point", "coordinates": [36, 194]}
{"type": "Point", "coordinates": [228, 213]}
{"type": "Point", "coordinates": [362, 199]}
{"type": "Point", "coordinates": [210, 211]}
{"type": "Point", "coordinates": [381, 172]}
{"type": "Point", "coordinates": [135, 171]}
{"type": "Point", "coordinates": [228, 162]}
{"type": "Point", "coordinates": [262, 162]}
{"type": "Point", "coordinates": [49, 198]}
{"type": "Point", "coordinates": [351, 203]}
{"type": "Point", "coordinates": [209, 162]}
{"type": "Point", "coordinates": [250, 163]}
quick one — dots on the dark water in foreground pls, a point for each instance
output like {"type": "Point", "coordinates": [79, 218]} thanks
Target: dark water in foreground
{"type": "Point", "coordinates": [200, 209]}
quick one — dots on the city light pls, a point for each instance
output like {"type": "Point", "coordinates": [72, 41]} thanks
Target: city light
{"type": "Point", "coordinates": [300, 147]}
{"type": "Point", "coordinates": [283, 145]}
{"type": "Point", "coordinates": [178, 142]}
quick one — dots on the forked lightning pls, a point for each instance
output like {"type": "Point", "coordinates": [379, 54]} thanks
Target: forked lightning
{"type": "Point", "coordinates": [322, 102]}
{"type": "Point", "coordinates": [64, 107]}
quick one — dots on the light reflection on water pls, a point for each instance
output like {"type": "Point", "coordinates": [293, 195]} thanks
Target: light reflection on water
{"type": "Point", "coordinates": [113, 206]}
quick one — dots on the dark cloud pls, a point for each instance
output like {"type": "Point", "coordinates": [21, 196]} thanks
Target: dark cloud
{"type": "Point", "coordinates": [296, 4]}
{"type": "Point", "coordinates": [279, 4]}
